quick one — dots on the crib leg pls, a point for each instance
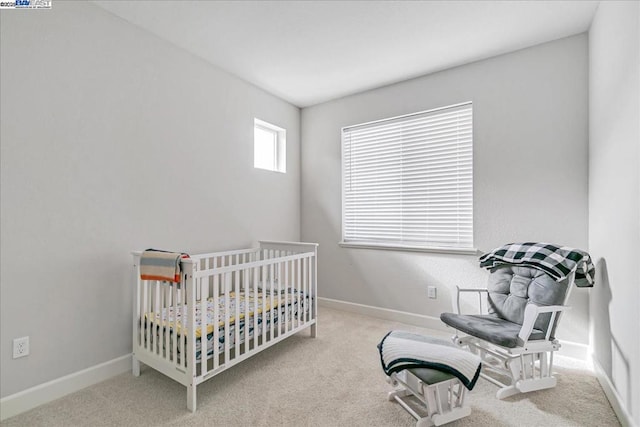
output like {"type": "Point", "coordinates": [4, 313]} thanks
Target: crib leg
{"type": "Point", "coordinates": [135, 366]}
{"type": "Point", "coordinates": [191, 397]}
{"type": "Point", "coordinates": [314, 330]}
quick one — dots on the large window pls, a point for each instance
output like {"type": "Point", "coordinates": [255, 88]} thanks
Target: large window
{"type": "Point", "coordinates": [269, 146]}
{"type": "Point", "coordinates": [408, 181]}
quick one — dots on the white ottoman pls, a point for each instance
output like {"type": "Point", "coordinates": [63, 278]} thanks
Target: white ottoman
{"type": "Point", "coordinates": [435, 371]}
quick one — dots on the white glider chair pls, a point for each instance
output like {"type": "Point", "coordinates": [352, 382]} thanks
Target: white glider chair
{"type": "Point", "coordinates": [514, 333]}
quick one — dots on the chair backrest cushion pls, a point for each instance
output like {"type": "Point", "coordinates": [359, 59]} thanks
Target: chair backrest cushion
{"type": "Point", "coordinates": [511, 288]}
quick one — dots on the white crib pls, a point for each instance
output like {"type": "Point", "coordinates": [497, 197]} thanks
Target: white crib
{"type": "Point", "coordinates": [253, 298]}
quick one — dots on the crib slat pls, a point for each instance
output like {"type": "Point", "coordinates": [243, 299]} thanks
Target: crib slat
{"type": "Point", "coordinates": [157, 323]}
{"type": "Point", "coordinates": [279, 298]}
{"type": "Point", "coordinates": [272, 311]}
{"type": "Point", "coordinates": [152, 320]}
{"type": "Point", "coordinates": [246, 281]}
{"type": "Point", "coordinates": [216, 321]}
{"type": "Point", "coordinates": [263, 278]}
{"type": "Point", "coordinates": [314, 293]}
{"type": "Point", "coordinates": [165, 325]}
{"type": "Point", "coordinates": [204, 328]}
{"type": "Point", "coordinates": [174, 338]}
{"type": "Point", "coordinates": [164, 334]}
{"type": "Point", "coordinates": [183, 325]}
{"type": "Point", "coordinates": [191, 286]}
{"type": "Point", "coordinates": [137, 315]}
{"type": "Point", "coordinates": [144, 327]}
{"type": "Point", "coordinates": [137, 319]}
{"type": "Point", "coordinates": [299, 290]}
{"type": "Point", "coordinates": [226, 327]}
{"type": "Point", "coordinates": [303, 285]}
{"type": "Point", "coordinates": [287, 288]}
{"type": "Point", "coordinates": [177, 324]}
{"type": "Point", "coordinates": [307, 295]}
{"type": "Point", "coordinates": [236, 287]}
{"type": "Point", "coordinates": [294, 293]}
{"type": "Point", "coordinates": [177, 331]}
{"type": "Point", "coordinates": [308, 301]}
{"type": "Point", "coordinates": [255, 307]}
{"type": "Point", "coordinates": [224, 260]}
{"type": "Point", "coordinates": [305, 275]}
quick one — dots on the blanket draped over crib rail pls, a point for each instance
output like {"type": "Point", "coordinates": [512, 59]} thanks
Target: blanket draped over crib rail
{"type": "Point", "coordinates": [403, 350]}
{"type": "Point", "coordinates": [161, 265]}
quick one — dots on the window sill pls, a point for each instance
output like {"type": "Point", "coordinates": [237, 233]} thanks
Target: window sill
{"type": "Point", "coordinates": [387, 247]}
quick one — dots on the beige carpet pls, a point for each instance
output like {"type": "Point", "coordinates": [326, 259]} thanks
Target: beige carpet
{"type": "Point", "coordinates": [333, 380]}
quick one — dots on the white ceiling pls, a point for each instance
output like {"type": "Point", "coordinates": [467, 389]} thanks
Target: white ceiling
{"type": "Point", "coordinates": [308, 52]}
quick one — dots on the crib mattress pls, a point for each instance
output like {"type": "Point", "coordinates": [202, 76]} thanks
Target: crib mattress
{"type": "Point", "coordinates": [166, 318]}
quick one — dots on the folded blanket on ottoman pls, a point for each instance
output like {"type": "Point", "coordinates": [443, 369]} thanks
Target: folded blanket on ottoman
{"type": "Point", "coordinates": [403, 350]}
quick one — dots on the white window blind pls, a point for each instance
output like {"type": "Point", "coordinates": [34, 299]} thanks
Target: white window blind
{"type": "Point", "coordinates": [408, 181]}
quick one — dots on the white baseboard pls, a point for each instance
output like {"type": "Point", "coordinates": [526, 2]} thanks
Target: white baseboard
{"type": "Point", "coordinates": [574, 350]}
{"type": "Point", "coordinates": [39, 395]}
{"type": "Point", "coordinates": [386, 314]}
{"type": "Point", "coordinates": [614, 398]}
{"type": "Point", "coordinates": [569, 349]}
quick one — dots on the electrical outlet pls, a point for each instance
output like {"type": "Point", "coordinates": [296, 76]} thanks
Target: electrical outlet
{"type": "Point", "coordinates": [20, 347]}
{"type": "Point", "coordinates": [432, 292]}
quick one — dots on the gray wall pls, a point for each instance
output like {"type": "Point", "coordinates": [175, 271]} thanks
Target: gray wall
{"type": "Point", "coordinates": [530, 175]}
{"type": "Point", "coordinates": [614, 195]}
{"type": "Point", "coordinates": [113, 140]}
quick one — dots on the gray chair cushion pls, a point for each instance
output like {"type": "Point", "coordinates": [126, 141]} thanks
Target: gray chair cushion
{"type": "Point", "coordinates": [511, 288]}
{"type": "Point", "coordinates": [489, 328]}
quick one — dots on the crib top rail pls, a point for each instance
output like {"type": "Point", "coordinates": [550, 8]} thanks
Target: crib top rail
{"type": "Point", "coordinates": [293, 247]}
{"type": "Point", "coordinates": [197, 257]}
{"type": "Point", "coordinates": [288, 246]}
{"type": "Point", "coordinates": [251, 264]}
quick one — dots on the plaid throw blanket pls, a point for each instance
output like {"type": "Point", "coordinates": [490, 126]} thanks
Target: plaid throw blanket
{"type": "Point", "coordinates": [557, 261]}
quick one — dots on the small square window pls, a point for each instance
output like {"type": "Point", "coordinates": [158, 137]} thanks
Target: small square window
{"type": "Point", "coordinates": [269, 146]}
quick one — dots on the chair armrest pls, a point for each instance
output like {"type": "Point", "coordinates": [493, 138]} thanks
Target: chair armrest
{"type": "Point", "coordinates": [531, 313]}
{"type": "Point", "coordinates": [471, 289]}
{"type": "Point", "coordinates": [459, 290]}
